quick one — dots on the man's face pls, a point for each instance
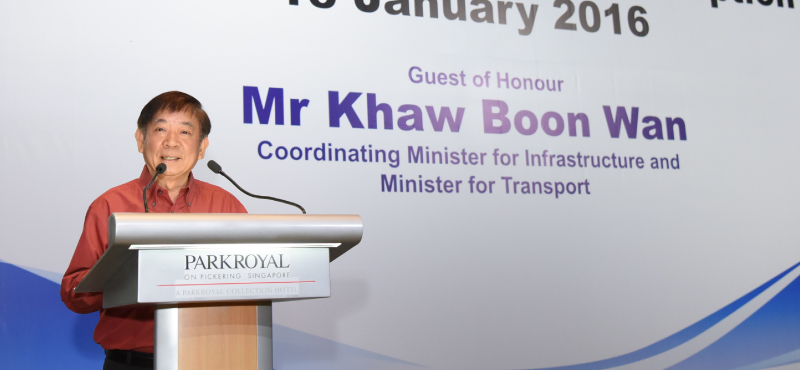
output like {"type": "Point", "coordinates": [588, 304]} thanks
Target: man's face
{"type": "Point", "coordinates": [172, 138]}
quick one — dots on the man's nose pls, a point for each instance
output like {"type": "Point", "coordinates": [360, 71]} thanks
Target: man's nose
{"type": "Point", "coordinates": [171, 139]}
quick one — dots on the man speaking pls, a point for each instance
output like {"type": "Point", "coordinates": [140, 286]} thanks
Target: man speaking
{"type": "Point", "coordinates": [172, 129]}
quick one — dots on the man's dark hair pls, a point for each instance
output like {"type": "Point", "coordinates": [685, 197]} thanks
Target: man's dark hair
{"type": "Point", "coordinates": [175, 101]}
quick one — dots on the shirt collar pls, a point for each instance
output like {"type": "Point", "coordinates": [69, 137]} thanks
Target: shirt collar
{"type": "Point", "coordinates": [145, 178]}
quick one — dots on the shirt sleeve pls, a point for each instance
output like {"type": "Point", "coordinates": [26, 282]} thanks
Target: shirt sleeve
{"type": "Point", "coordinates": [91, 245]}
{"type": "Point", "coordinates": [236, 206]}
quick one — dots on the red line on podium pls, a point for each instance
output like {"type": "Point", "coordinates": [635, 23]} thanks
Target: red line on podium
{"type": "Point", "coordinates": [263, 282]}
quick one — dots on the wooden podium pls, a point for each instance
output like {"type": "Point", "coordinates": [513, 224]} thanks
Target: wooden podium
{"type": "Point", "coordinates": [213, 278]}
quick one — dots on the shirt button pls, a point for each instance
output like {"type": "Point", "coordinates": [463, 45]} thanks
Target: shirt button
{"type": "Point", "coordinates": [154, 203]}
{"type": "Point", "coordinates": [159, 191]}
{"type": "Point", "coordinates": [189, 204]}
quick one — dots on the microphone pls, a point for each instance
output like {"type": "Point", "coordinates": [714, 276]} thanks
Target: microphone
{"type": "Point", "coordinates": [216, 168]}
{"type": "Point", "coordinates": [161, 168]}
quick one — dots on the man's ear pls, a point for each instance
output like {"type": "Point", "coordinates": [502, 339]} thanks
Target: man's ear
{"type": "Point", "coordinates": [203, 146]}
{"type": "Point", "coordinates": [139, 140]}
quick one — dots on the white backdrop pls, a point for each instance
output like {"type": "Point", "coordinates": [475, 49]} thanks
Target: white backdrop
{"type": "Point", "coordinates": [446, 281]}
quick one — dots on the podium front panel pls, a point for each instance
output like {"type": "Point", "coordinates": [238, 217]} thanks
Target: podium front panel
{"type": "Point", "coordinates": [231, 273]}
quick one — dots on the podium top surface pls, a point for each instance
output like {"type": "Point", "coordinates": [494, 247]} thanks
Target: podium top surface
{"type": "Point", "coordinates": [234, 228]}
{"type": "Point", "coordinates": [126, 229]}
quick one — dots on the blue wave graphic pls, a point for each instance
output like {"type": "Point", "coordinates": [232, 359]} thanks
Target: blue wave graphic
{"type": "Point", "coordinates": [686, 334]}
{"type": "Point", "coordinates": [770, 332]}
{"type": "Point", "coordinates": [37, 331]}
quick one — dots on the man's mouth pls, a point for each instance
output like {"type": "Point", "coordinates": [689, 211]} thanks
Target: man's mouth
{"type": "Point", "coordinates": [170, 158]}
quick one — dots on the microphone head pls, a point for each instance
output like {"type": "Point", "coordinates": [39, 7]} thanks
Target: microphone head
{"type": "Point", "coordinates": [161, 168]}
{"type": "Point", "coordinates": [214, 166]}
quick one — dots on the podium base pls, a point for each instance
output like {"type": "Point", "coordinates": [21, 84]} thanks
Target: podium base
{"type": "Point", "coordinates": [236, 336]}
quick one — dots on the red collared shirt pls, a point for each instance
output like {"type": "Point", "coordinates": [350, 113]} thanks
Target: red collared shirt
{"type": "Point", "coordinates": [131, 327]}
